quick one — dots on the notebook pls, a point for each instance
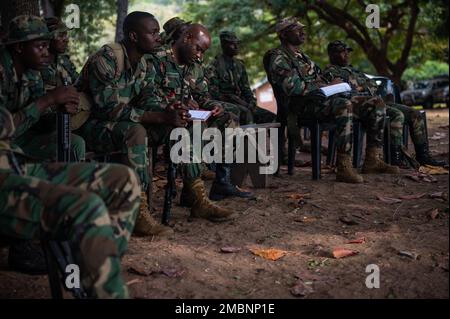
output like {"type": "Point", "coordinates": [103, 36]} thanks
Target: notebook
{"type": "Point", "coordinates": [199, 115]}
{"type": "Point", "coordinates": [335, 89]}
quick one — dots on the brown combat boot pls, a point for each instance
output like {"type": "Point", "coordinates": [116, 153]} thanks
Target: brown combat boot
{"type": "Point", "coordinates": [345, 172]}
{"type": "Point", "coordinates": [205, 208]}
{"type": "Point", "coordinates": [373, 164]}
{"type": "Point", "coordinates": [146, 225]}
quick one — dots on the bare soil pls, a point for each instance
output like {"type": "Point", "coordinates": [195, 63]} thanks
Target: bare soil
{"type": "Point", "coordinates": [407, 240]}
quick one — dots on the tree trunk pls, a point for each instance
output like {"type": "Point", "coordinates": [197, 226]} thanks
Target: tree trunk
{"type": "Point", "coordinates": [13, 8]}
{"type": "Point", "coordinates": [47, 8]}
{"type": "Point", "coordinates": [122, 10]}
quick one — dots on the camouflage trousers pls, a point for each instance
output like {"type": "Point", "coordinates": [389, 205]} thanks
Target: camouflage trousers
{"type": "Point", "coordinates": [371, 111]}
{"type": "Point", "coordinates": [415, 122]}
{"type": "Point", "coordinates": [93, 207]}
{"type": "Point", "coordinates": [127, 137]}
{"type": "Point", "coordinates": [248, 116]}
{"type": "Point", "coordinates": [44, 145]}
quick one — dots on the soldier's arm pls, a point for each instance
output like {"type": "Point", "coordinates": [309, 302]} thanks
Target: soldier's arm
{"type": "Point", "coordinates": [288, 79]}
{"type": "Point", "coordinates": [213, 81]}
{"type": "Point", "coordinates": [72, 70]}
{"type": "Point", "coordinates": [110, 100]}
{"type": "Point", "coordinates": [245, 88]}
{"type": "Point", "coordinates": [199, 88]}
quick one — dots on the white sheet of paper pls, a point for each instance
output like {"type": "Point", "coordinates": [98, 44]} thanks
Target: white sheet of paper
{"type": "Point", "coordinates": [335, 89]}
{"type": "Point", "coordinates": [199, 115]}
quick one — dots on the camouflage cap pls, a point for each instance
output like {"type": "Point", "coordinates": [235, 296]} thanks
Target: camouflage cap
{"type": "Point", "coordinates": [287, 23]}
{"type": "Point", "coordinates": [338, 46]}
{"type": "Point", "coordinates": [56, 25]}
{"type": "Point", "coordinates": [228, 36]}
{"type": "Point", "coordinates": [27, 27]}
{"type": "Point", "coordinates": [173, 24]}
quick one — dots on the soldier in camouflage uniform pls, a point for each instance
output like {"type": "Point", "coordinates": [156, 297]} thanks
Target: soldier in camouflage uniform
{"type": "Point", "coordinates": [296, 81]}
{"type": "Point", "coordinates": [228, 82]}
{"type": "Point", "coordinates": [340, 68]}
{"type": "Point", "coordinates": [28, 101]}
{"type": "Point", "coordinates": [181, 76]}
{"type": "Point", "coordinates": [93, 207]}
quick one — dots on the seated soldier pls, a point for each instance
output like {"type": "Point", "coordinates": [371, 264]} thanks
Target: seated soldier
{"type": "Point", "coordinates": [340, 68]}
{"type": "Point", "coordinates": [228, 82]}
{"type": "Point", "coordinates": [296, 81]}
{"type": "Point", "coordinates": [23, 92]}
{"type": "Point", "coordinates": [93, 207]}
{"type": "Point", "coordinates": [181, 76]}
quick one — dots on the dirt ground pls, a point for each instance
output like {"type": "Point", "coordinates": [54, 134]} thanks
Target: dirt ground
{"type": "Point", "coordinates": [408, 240]}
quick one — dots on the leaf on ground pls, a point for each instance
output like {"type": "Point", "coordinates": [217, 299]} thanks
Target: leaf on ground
{"type": "Point", "coordinates": [361, 240]}
{"type": "Point", "coordinates": [230, 249]}
{"type": "Point", "coordinates": [433, 170]}
{"type": "Point", "coordinates": [300, 289]}
{"type": "Point", "coordinates": [388, 200]}
{"type": "Point", "coordinates": [439, 195]}
{"type": "Point", "coordinates": [136, 270]}
{"type": "Point", "coordinates": [408, 254]}
{"type": "Point", "coordinates": [434, 213]}
{"type": "Point", "coordinates": [412, 196]}
{"type": "Point", "coordinates": [344, 252]}
{"type": "Point", "coordinates": [133, 281]}
{"type": "Point", "coordinates": [297, 196]}
{"type": "Point", "coordinates": [305, 219]}
{"type": "Point", "coordinates": [270, 254]}
{"type": "Point", "coordinates": [348, 221]}
{"type": "Point", "coordinates": [172, 272]}
{"type": "Point", "coordinates": [438, 136]}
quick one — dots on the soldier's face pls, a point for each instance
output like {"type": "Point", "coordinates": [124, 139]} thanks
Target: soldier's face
{"type": "Point", "coordinates": [342, 58]}
{"type": "Point", "coordinates": [296, 35]}
{"type": "Point", "coordinates": [194, 47]}
{"type": "Point", "coordinates": [60, 43]}
{"type": "Point", "coordinates": [148, 38]}
{"type": "Point", "coordinates": [34, 54]}
{"type": "Point", "coordinates": [230, 48]}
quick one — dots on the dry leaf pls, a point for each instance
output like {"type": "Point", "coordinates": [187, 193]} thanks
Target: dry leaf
{"type": "Point", "coordinates": [361, 240]}
{"type": "Point", "coordinates": [139, 271]}
{"type": "Point", "coordinates": [409, 254]}
{"type": "Point", "coordinates": [270, 254]}
{"type": "Point", "coordinates": [172, 272]}
{"type": "Point", "coordinates": [439, 195]}
{"type": "Point", "coordinates": [434, 213]}
{"type": "Point", "coordinates": [413, 196]}
{"type": "Point", "coordinates": [388, 200]}
{"type": "Point", "coordinates": [438, 136]}
{"type": "Point", "coordinates": [433, 170]}
{"type": "Point", "coordinates": [230, 249]}
{"type": "Point", "coordinates": [305, 219]}
{"type": "Point", "coordinates": [343, 252]}
{"type": "Point", "coordinates": [297, 196]}
{"type": "Point", "coordinates": [133, 281]}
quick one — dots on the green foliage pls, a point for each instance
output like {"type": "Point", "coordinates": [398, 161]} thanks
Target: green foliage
{"type": "Point", "coordinates": [426, 71]}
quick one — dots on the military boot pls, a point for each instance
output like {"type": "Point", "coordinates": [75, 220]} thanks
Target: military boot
{"type": "Point", "coordinates": [373, 164]}
{"type": "Point", "coordinates": [186, 196]}
{"type": "Point", "coordinates": [222, 186]}
{"type": "Point", "coordinates": [27, 257]}
{"type": "Point", "coordinates": [345, 171]}
{"type": "Point", "coordinates": [424, 157]}
{"type": "Point", "coordinates": [146, 225]}
{"type": "Point", "coordinates": [397, 158]}
{"type": "Point", "coordinates": [204, 208]}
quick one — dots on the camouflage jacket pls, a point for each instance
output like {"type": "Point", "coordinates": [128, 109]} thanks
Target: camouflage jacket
{"type": "Point", "coordinates": [175, 81]}
{"type": "Point", "coordinates": [115, 92]}
{"type": "Point", "coordinates": [357, 79]}
{"type": "Point", "coordinates": [19, 96]}
{"type": "Point", "coordinates": [229, 76]}
{"type": "Point", "coordinates": [60, 72]}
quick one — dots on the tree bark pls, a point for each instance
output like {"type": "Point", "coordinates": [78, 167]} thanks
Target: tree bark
{"type": "Point", "coordinates": [122, 10]}
{"type": "Point", "coordinates": [13, 8]}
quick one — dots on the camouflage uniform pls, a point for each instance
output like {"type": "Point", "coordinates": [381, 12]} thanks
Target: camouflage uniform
{"type": "Point", "coordinates": [19, 97]}
{"type": "Point", "coordinates": [228, 82]}
{"type": "Point", "coordinates": [296, 78]}
{"type": "Point", "coordinates": [114, 124]}
{"type": "Point", "coordinates": [398, 113]}
{"type": "Point", "coordinates": [91, 206]}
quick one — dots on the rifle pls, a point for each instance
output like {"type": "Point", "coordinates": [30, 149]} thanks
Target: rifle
{"type": "Point", "coordinates": [63, 135]}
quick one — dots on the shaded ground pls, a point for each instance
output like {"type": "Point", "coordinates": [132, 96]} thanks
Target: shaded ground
{"type": "Point", "coordinates": [190, 264]}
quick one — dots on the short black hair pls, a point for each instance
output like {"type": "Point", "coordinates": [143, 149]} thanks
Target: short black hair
{"type": "Point", "coordinates": [132, 20]}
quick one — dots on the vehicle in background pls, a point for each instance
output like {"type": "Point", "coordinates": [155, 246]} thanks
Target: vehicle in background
{"type": "Point", "coordinates": [386, 88]}
{"type": "Point", "coordinates": [427, 93]}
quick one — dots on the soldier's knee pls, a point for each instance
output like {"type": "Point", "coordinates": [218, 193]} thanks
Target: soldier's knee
{"type": "Point", "coordinates": [78, 146]}
{"type": "Point", "coordinates": [136, 135]}
{"type": "Point", "coordinates": [344, 107]}
{"type": "Point", "coordinates": [121, 176]}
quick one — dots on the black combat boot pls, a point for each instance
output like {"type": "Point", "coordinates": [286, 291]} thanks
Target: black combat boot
{"type": "Point", "coordinates": [424, 157]}
{"type": "Point", "coordinates": [27, 257]}
{"type": "Point", "coordinates": [397, 158]}
{"type": "Point", "coordinates": [222, 186]}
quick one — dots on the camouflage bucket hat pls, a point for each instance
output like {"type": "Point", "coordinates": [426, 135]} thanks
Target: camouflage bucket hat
{"type": "Point", "coordinates": [27, 27]}
{"type": "Point", "coordinates": [287, 23]}
{"type": "Point", "coordinates": [338, 46]}
{"type": "Point", "coordinates": [172, 25]}
{"type": "Point", "coordinates": [229, 36]}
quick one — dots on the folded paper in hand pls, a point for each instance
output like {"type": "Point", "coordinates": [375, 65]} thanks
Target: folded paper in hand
{"type": "Point", "coordinates": [199, 115]}
{"type": "Point", "coordinates": [335, 89]}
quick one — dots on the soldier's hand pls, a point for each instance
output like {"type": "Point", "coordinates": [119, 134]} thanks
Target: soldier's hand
{"type": "Point", "coordinates": [336, 81]}
{"type": "Point", "coordinates": [64, 95]}
{"type": "Point", "coordinates": [192, 105]}
{"type": "Point", "coordinates": [217, 111]}
{"type": "Point", "coordinates": [71, 108]}
{"type": "Point", "coordinates": [177, 117]}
